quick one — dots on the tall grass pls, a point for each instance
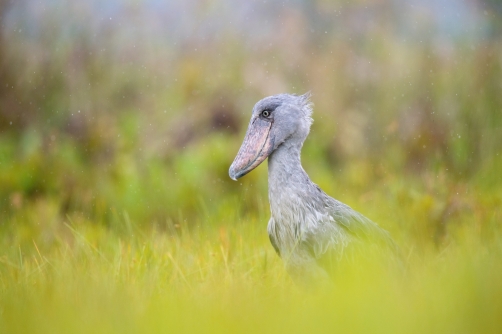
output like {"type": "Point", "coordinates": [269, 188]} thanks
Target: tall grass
{"type": "Point", "coordinates": [229, 280]}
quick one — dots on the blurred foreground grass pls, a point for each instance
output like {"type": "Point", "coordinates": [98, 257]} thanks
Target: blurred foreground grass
{"type": "Point", "coordinates": [198, 282]}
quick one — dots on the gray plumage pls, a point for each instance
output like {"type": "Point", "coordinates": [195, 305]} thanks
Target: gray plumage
{"type": "Point", "coordinates": [309, 230]}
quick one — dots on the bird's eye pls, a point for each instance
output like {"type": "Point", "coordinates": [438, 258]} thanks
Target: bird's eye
{"type": "Point", "coordinates": [265, 113]}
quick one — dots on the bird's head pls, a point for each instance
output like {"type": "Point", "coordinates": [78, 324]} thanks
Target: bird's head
{"type": "Point", "coordinates": [276, 120]}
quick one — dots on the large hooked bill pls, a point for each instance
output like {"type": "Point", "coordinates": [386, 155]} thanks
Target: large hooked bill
{"type": "Point", "coordinates": [255, 148]}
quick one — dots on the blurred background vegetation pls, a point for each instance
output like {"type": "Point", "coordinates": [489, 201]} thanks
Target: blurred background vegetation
{"type": "Point", "coordinates": [119, 119]}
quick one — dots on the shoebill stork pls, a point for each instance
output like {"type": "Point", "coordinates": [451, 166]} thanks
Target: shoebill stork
{"type": "Point", "coordinates": [309, 230]}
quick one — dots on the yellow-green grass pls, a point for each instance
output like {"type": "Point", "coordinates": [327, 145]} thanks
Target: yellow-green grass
{"type": "Point", "coordinates": [231, 280]}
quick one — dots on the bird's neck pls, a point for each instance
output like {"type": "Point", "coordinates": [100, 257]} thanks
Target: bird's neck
{"type": "Point", "coordinates": [285, 169]}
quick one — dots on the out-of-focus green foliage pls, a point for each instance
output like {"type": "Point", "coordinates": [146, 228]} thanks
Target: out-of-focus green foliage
{"type": "Point", "coordinates": [116, 210]}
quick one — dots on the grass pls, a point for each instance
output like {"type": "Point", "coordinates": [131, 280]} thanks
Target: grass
{"type": "Point", "coordinates": [230, 280]}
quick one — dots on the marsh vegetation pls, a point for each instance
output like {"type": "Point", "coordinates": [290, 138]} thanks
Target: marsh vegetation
{"type": "Point", "coordinates": [118, 124]}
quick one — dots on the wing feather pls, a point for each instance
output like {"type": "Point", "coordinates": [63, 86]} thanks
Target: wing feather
{"type": "Point", "coordinates": [343, 227]}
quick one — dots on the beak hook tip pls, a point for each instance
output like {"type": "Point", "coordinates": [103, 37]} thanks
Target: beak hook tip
{"type": "Point", "coordinates": [232, 174]}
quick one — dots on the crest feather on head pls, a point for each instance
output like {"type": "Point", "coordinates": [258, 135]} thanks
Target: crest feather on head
{"type": "Point", "coordinates": [307, 106]}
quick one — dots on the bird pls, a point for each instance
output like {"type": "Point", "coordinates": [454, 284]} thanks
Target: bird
{"type": "Point", "coordinates": [308, 229]}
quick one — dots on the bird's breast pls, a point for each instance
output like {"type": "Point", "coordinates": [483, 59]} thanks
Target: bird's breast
{"type": "Point", "coordinates": [294, 219]}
